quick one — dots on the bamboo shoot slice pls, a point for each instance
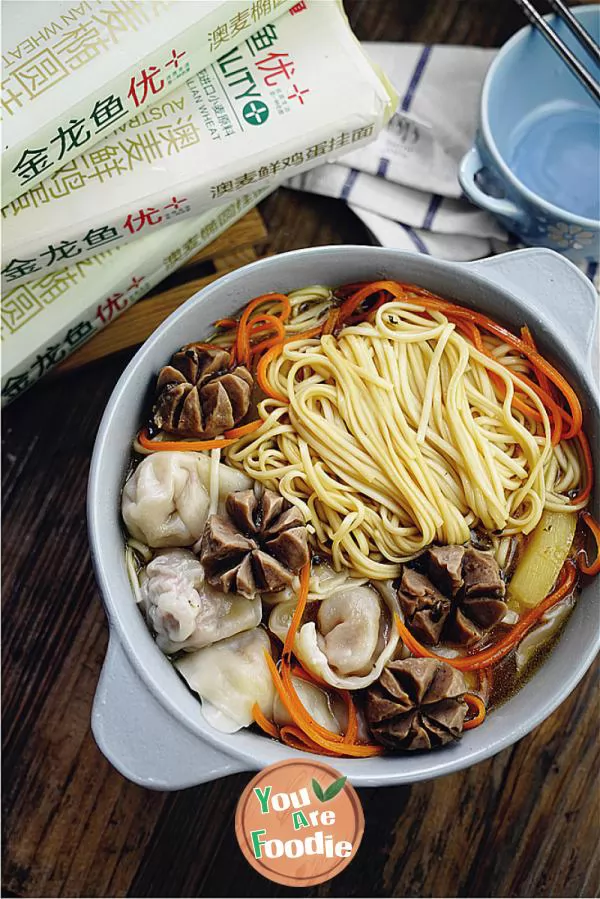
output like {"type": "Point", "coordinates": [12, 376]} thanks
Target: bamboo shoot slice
{"type": "Point", "coordinates": [544, 556]}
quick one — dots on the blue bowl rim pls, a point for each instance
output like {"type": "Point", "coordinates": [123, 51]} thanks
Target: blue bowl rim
{"type": "Point", "coordinates": [521, 35]}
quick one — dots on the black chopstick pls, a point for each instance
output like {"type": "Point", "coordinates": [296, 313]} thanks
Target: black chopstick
{"type": "Point", "coordinates": [585, 39]}
{"type": "Point", "coordinates": [580, 72]}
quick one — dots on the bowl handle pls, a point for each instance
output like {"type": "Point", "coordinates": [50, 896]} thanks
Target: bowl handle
{"type": "Point", "coordinates": [555, 289]}
{"type": "Point", "coordinates": [144, 743]}
{"type": "Point", "coordinates": [470, 165]}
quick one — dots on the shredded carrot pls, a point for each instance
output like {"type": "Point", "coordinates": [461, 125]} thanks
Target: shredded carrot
{"type": "Point", "coordinates": [589, 468]}
{"type": "Point", "coordinates": [189, 446]}
{"type": "Point", "coordinates": [582, 557]}
{"type": "Point", "coordinates": [344, 291]}
{"type": "Point", "coordinates": [305, 335]}
{"type": "Point", "coordinates": [299, 671]}
{"type": "Point", "coordinates": [351, 304]}
{"type": "Point", "coordinates": [264, 723]}
{"type": "Point", "coordinates": [301, 718]}
{"type": "Point", "coordinates": [331, 322]}
{"type": "Point", "coordinates": [352, 726]}
{"type": "Point", "coordinates": [236, 433]}
{"type": "Point", "coordinates": [261, 374]}
{"type": "Point", "coordinates": [499, 650]}
{"type": "Point", "coordinates": [272, 324]}
{"type": "Point", "coordinates": [474, 702]}
{"type": "Point", "coordinates": [242, 343]}
{"type": "Point", "coordinates": [288, 643]}
{"type": "Point", "coordinates": [293, 737]}
{"type": "Point", "coordinates": [272, 353]}
{"type": "Point", "coordinates": [544, 382]}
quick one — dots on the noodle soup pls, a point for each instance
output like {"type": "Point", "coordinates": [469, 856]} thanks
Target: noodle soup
{"type": "Point", "coordinates": [356, 517]}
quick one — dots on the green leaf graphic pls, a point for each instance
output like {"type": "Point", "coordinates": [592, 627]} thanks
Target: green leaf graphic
{"type": "Point", "coordinates": [334, 788]}
{"type": "Point", "coordinates": [317, 790]}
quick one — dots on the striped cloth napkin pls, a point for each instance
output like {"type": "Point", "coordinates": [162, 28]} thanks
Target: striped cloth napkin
{"type": "Point", "coordinates": [404, 185]}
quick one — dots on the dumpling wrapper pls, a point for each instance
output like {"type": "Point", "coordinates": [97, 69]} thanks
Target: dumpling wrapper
{"type": "Point", "coordinates": [185, 612]}
{"type": "Point", "coordinates": [166, 500]}
{"type": "Point", "coordinates": [316, 702]}
{"type": "Point", "coordinates": [230, 676]}
{"type": "Point", "coordinates": [343, 646]}
{"type": "Point", "coordinates": [549, 625]}
{"type": "Point", "coordinates": [349, 630]}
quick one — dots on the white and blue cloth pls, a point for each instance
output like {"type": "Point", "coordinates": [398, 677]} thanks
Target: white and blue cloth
{"type": "Point", "coordinates": [404, 185]}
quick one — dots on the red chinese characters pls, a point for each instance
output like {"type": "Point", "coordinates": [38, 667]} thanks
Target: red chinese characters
{"type": "Point", "coordinates": [278, 67]}
{"type": "Point", "coordinates": [141, 218]}
{"type": "Point", "coordinates": [148, 82]}
{"type": "Point", "coordinates": [135, 221]}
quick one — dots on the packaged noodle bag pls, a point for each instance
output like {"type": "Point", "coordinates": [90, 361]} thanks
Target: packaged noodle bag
{"type": "Point", "coordinates": [73, 72]}
{"type": "Point", "coordinates": [45, 320]}
{"type": "Point", "coordinates": [293, 94]}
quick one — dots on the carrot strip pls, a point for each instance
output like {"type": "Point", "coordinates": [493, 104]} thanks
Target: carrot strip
{"type": "Point", "coordinates": [294, 738]}
{"type": "Point", "coordinates": [474, 701]}
{"type": "Point", "coordinates": [242, 343]}
{"type": "Point", "coordinates": [191, 446]}
{"type": "Point", "coordinates": [236, 433]}
{"type": "Point", "coordinates": [264, 361]}
{"type": "Point", "coordinates": [343, 292]}
{"type": "Point", "coordinates": [501, 649]}
{"type": "Point", "coordinates": [264, 723]}
{"type": "Point", "coordinates": [332, 742]}
{"type": "Point", "coordinates": [544, 382]}
{"type": "Point", "coordinates": [272, 323]}
{"type": "Point", "coordinates": [261, 374]}
{"type": "Point", "coordinates": [350, 305]}
{"type": "Point", "coordinates": [288, 643]}
{"type": "Point", "coordinates": [352, 726]}
{"type": "Point", "coordinates": [589, 468]}
{"type": "Point", "coordinates": [331, 322]}
{"type": "Point", "coordinates": [582, 557]}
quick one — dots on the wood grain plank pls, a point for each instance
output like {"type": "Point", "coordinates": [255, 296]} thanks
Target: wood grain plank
{"type": "Point", "coordinates": [249, 231]}
{"type": "Point", "coordinates": [64, 805]}
{"type": "Point", "coordinates": [235, 259]}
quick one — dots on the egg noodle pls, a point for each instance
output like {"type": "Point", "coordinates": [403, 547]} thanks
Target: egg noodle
{"type": "Point", "coordinates": [394, 435]}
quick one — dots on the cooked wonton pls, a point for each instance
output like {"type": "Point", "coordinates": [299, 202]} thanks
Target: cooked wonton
{"type": "Point", "coordinates": [351, 640]}
{"type": "Point", "coordinates": [230, 676]}
{"type": "Point", "coordinates": [166, 500]}
{"type": "Point", "coordinates": [187, 613]}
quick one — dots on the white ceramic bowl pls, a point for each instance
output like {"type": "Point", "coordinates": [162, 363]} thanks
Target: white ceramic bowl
{"type": "Point", "coordinates": [144, 719]}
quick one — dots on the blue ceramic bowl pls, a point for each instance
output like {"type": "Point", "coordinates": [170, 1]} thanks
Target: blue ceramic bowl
{"type": "Point", "coordinates": [536, 160]}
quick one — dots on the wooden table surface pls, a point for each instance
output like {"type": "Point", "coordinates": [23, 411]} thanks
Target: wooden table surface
{"type": "Point", "coordinates": [522, 824]}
